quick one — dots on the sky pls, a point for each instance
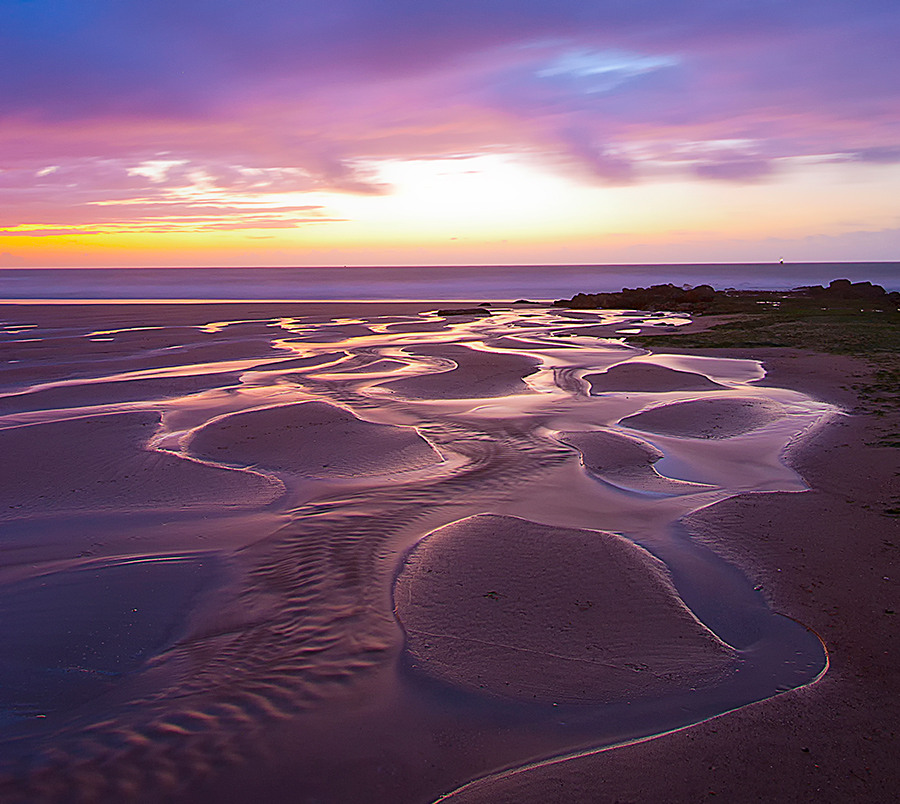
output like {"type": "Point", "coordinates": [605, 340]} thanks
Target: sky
{"type": "Point", "coordinates": [448, 132]}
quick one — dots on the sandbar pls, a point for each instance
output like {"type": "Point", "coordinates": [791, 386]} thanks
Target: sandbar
{"type": "Point", "coordinates": [312, 438]}
{"type": "Point", "coordinates": [625, 461]}
{"type": "Point", "coordinates": [636, 377]}
{"type": "Point", "coordinates": [476, 374]}
{"type": "Point", "coordinates": [706, 418]}
{"type": "Point", "coordinates": [526, 611]}
{"type": "Point", "coordinates": [100, 463]}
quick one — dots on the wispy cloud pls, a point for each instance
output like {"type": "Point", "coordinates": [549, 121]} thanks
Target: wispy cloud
{"type": "Point", "coordinates": [102, 196]}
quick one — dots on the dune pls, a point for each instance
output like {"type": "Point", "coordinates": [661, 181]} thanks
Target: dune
{"type": "Point", "coordinates": [526, 611]}
{"type": "Point", "coordinates": [721, 417]}
{"type": "Point", "coordinates": [476, 375]}
{"type": "Point", "coordinates": [314, 439]}
{"type": "Point", "coordinates": [643, 377]}
{"type": "Point", "coordinates": [101, 463]}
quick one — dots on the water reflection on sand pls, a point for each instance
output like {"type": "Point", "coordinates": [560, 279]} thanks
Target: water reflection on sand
{"type": "Point", "coordinates": [215, 535]}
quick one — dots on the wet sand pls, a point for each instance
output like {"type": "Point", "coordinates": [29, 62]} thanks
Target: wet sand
{"type": "Point", "coordinates": [312, 439]}
{"type": "Point", "coordinates": [366, 553]}
{"type": "Point", "coordinates": [520, 625]}
{"type": "Point", "coordinates": [647, 377]}
{"type": "Point", "coordinates": [100, 463]}
{"type": "Point", "coordinates": [625, 461]}
{"type": "Point", "coordinates": [827, 557]}
{"type": "Point", "coordinates": [706, 418]}
{"type": "Point", "coordinates": [470, 374]}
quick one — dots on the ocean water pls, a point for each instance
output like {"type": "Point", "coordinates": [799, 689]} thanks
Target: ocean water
{"type": "Point", "coordinates": [475, 283]}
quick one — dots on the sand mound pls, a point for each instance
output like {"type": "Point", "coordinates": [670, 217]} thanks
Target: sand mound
{"type": "Point", "coordinates": [533, 612]}
{"type": "Point", "coordinates": [647, 377]}
{"type": "Point", "coordinates": [625, 462]}
{"type": "Point", "coordinates": [612, 454]}
{"type": "Point", "coordinates": [100, 463]}
{"type": "Point", "coordinates": [312, 438]}
{"type": "Point", "coordinates": [707, 418]}
{"type": "Point", "coordinates": [299, 362]}
{"type": "Point", "coordinates": [477, 375]}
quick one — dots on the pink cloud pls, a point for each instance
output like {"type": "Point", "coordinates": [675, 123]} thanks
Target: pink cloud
{"type": "Point", "coordinates": [275, 97]}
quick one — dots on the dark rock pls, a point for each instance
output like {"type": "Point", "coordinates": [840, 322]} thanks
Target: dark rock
{"type": "Point", "coordinates": [464, 311]}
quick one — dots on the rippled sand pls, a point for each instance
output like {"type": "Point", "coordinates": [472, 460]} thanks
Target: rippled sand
{"type": "Point", "coordinates": [319, 553]}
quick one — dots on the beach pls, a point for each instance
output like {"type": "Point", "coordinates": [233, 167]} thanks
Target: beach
{"type": "Point", "coordinates": [828, 558]}
{"type": "Point", "coordinates": [363, 552]}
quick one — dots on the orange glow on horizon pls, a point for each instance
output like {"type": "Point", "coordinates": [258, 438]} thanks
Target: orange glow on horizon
{"type": "Point", "coordinates": [483, 209]}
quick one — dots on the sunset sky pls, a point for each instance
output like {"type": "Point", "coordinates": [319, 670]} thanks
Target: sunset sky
{"type": "Point", "coordinates": [393, 132]}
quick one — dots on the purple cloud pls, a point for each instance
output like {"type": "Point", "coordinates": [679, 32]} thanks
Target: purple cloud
{"type": "Point", "coordinates": [274, 95]}
{"type": "Point", "coordinates": [56, 231]}
{"type": "Point", "coordinates": [74, 57]}
{"type": "Point", "coordinates": [879, 155]}
{"type": "Point", "coordinates": [599, 161]}
{"type": "Point", "coordinates": [738, 168]}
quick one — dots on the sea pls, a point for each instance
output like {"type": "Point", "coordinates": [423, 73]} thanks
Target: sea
{"type": "Point", "coordinates": [379, 283]}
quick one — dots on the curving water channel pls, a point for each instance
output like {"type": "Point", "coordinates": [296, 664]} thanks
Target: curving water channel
{"type": "Point", "coordinates": [253, 558]}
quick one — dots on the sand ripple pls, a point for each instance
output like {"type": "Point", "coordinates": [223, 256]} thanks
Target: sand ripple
{"type": "Point", "coordinates": [278, 643]}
